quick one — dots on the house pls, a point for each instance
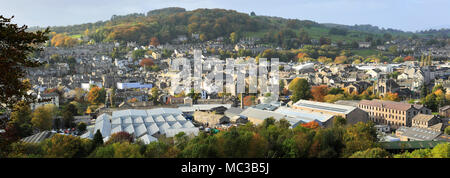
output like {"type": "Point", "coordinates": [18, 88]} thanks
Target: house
{"type": "Point", "coordinates": [384, 86]}
{"type": "Point", "coordinates": [364, 45]}
{"type": "Point", "coordinates": [424, 120]}
{"type": "Point", "coordinates": [445, 111]}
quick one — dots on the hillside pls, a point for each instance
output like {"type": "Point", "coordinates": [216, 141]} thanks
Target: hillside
{"type": "Point", "coordinates": [168, 23]}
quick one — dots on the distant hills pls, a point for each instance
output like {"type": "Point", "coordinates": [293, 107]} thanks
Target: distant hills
{"type": "Point", "coordinates": [169, 23]}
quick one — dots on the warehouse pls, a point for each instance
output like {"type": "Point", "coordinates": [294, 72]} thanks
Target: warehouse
{"type": "Point", "coordinates": [146, 125]}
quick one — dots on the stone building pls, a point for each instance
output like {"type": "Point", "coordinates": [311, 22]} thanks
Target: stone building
{"type": "Point", "coordinates": [394, 114]}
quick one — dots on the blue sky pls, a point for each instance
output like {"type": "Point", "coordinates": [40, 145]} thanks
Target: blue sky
{"type": "Point", "coordinates": [409, 15]}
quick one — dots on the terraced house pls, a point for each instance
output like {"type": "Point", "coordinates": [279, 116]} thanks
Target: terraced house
{"type": "Point", "coordinates": [394, 114]}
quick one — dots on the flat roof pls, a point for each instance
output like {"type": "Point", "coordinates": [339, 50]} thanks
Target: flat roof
{"type": "Point", "coordinates": [304, 115]}
{"type": "Point", "coordinates": [325, 106]}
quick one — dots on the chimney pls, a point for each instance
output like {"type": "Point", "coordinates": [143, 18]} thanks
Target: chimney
{"type": "Point", "coordinates": [242, 100]}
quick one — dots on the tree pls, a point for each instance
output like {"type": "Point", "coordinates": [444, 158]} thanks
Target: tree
{"type": "Point", "coordinates": [65, 146]}
{"type": "Point", "coordinates": [318, 92]}
{"type": "Point", "coordinates": [154, 41]}
{"type": "Point", "coordinates": [359, 137]}
{"type": "Point", "coordinates": [146, 62]}
{"type": "Point", "coordinates": [300, 89]}
{"type": "Point", "coordinates": [42, 118]}
{"type": "Point", "coordinates": [21, 119]}
{"type": "Point", "coordinates": [81, 127]}
{"type": "Point", "coordinates": [311, 125]}
{"type": "Point", "coordinates": [447, 130]}
{"type": "Point", "coordinates": [120, 137]}
{"type": "Point", "coordinates": [233, 37]}
{"type": "Point", "coordinates": [96, 95]}
{"type": "Point", "coordinates": [340, 60]}
{"type": "Point", "coordinates": [155, 94]}
{"type": "Point", "coordinates": [68, 119]}
{"type": "Point", "coordinates": [97, 140]}
{"type": "Point", "coordinates": [371, 153]}
{"type": "Point", "coordinates": [16, 43]}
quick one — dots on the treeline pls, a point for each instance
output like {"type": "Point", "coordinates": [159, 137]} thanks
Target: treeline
{"type": "Point", "coordinates": [271, 139]}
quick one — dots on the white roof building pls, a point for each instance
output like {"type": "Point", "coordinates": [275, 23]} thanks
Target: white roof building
{"type": "Point", "coordinates": [143, 124]}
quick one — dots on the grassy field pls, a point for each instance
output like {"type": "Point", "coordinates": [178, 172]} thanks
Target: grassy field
{"type": "Point", "coordinates": [365, 52]}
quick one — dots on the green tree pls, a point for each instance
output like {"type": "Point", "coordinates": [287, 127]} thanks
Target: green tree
{"type": "Point", "coordinates": [16, 44]}
{"type": "Point", "coordinates": [233, 37]}
{"type": "Point", "coordinates": [97, 140]}
{"type": "Point", "coordinates": [300, 89]}
{"type": "Point", "coordinates": [81, 127]}
{"type": "Point", "coordinates": [42, 118]}
{"type": "Point", "coordinates": [359, 137]}
{"type": "Point", "coordinates": [65, 146]}
{"type": "Point", "coordinates": [21, 119]}
{"type": "Point", "coordinates": [447, 130]}
{"type": "Point", "coordinates": [371, 153]}
{"type": "Point", "coordinates": [155, 94]}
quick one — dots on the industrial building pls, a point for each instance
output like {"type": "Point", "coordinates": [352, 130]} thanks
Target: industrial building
{"type": "Point", "coordinates": [146, 125]}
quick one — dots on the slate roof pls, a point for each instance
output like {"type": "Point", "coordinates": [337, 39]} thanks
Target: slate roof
{"type": "Point", "coordinates": [389, 104]}
{"type": "Point", "coordinates": [423, 117]}
{"type": "Point", "coordinates": [39, 137]}
{"type": "Point", "coordinates": [417, 133]}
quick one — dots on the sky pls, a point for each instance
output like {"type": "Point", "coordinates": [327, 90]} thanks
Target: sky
{"type": "Point", "coordinates": [407, 15]}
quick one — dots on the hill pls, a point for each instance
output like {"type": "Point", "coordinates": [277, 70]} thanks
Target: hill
{"type": "Point", "coordinates": [169, 23]}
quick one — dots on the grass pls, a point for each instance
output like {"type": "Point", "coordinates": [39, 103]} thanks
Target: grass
{"type": "Point", "coordinates": [365, 52]}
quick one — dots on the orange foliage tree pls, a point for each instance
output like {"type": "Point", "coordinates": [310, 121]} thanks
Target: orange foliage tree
{"type": "Point", "coordinates": [154, 41]}
{"type": "Point", "coordinates": [146, 62]}
{"type": "Point", "coordinates": [319, 92]}
{"type": "Point", "coordinates": [311, 125]}
{"type": "Point", "coordinates": [408, 58]}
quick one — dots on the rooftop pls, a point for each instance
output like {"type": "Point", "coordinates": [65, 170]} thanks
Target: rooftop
{"type": "Point", "coordinates": [325, 106]}
{"type": "Point", "coordinates": [390, 104]}
{"type": "Point", "coordinates": [303, 115]}
{"type": "Point", "coordinates": [417, 133]}
{"type": "Point", "coordinates": [423, 117]}
{"type": "Point", "coordinates": [143, 124]}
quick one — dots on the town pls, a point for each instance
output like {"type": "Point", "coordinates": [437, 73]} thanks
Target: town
{"type": "Point", "coordinates": [107, 91]}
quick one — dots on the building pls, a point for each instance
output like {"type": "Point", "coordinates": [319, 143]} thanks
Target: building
{"type": "Point", "coordinates": [39, 137]}
{"type": "Point", "coordinates": [352, 114]}
{"type": "Point", "coordinates": [146, 125]}
{"type": "Point", "coordinates": [394, 114]}
{"type": "Point", "coordinates": [257, 116]}
{"type": "Point", "coordinates": [45, 98]}
{"type": "Point", "coordinates": [416, 134]}
{"type": "Point", "coordinates": [445, 111]}
{"type": "Point", "coordinates": [305, 116]}
{"type": "Point", "coordinates": [122, 86]}
{"type": "Point", "coordinates": [424, 120]}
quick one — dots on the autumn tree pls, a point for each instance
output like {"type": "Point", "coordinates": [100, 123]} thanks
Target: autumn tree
{"type": "Point", "coordinates": [154, 41]}
{"type": "Point", "coordinates": [42, 117]}
{"type": "Point", "coordinates": [120, 137]}
{"type": "Point", "coordinates": [311, 125]}
{"type": "Point", "coordinates": [96, 95]}
{"type": "Point", "coordinates": [319, 92]}
{"type": "Point", "coordinates": [146, 62]}
{"type": "Point", "coordinates": [233, 37]}
{"type": "Point", "coordinates": [340, 60]}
